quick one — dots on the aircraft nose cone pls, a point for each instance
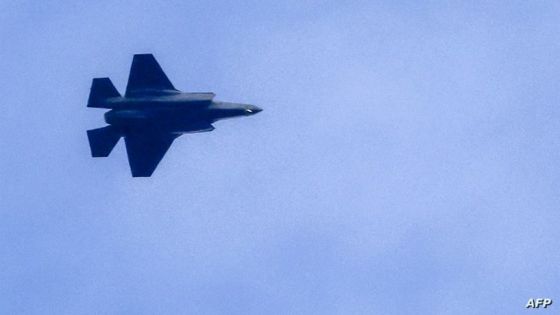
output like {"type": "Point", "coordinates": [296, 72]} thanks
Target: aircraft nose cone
{"type": "Point", "coordinates": [252, 109]}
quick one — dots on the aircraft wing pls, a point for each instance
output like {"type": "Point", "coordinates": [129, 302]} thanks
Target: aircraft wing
{"type": "Point", "coordinates": [145, 150]}
{"type": "Point", "coordinates": [146, 75]}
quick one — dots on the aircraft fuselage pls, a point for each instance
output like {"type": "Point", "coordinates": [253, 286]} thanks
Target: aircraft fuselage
{"type": "Point", "coordinates": [176, 113]}
{"type": "Point", "coordinates": [152, 114]}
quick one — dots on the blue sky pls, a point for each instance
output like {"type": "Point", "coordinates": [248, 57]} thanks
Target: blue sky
{"type": "Point", "coordinates": [406, 161]}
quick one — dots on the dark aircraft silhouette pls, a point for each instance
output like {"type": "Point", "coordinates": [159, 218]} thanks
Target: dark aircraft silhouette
{"type": "Point", "coordinates": [152, 114]}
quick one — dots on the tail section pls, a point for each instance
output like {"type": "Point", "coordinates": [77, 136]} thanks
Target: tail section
{"type": "Point", "coordinates": [103, 140]}
{"type": "Point", "coordinates": [101, 89]}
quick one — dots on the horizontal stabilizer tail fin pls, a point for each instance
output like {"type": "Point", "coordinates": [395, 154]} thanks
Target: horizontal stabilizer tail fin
{"type": "Point", "coordinates": [102, 140]}
{"type": "Point", "coordinates": [101, 90]}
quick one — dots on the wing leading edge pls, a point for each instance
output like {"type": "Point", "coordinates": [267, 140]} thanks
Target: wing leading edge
{"type": "Point", "coordinates": [146, 75]}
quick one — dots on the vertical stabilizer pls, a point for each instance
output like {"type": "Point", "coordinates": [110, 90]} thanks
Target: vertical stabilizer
{"type": "Point", "coordinates": [101, 90]}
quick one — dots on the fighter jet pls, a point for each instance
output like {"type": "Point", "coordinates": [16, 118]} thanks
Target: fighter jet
{"type": "Point", "coordinates": [151, 114]}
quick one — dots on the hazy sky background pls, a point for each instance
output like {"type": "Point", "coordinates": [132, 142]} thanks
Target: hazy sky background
{"type": "Point", "coordinates": [406, 162]}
